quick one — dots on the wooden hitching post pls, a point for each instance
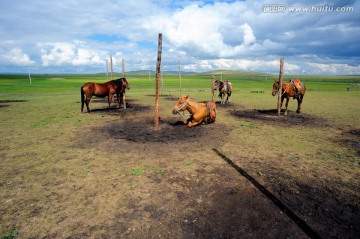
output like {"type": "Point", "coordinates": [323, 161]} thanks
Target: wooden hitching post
{"type": "Point", "coordinates": [107, 70]}
{"type": "Point", "coordinates": [123, 67]}
{"type": "Point", "coordinates": [280, 85]}
{"type": "Point", "coordinates": [157, 84]}
{"type": "Point", "coordinates": [111, 68]}
{"type": "Point", "coordinates": [212, 88]}
{"type": "Point", "coordinates": [123, 75]}
{"type": "Point", "coordinates": [180, 80]}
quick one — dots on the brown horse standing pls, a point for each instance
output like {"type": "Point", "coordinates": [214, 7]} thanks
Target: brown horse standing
{"type": "Point", "coordinates": [225, 88]}
{"type": "Point", "coordinates": [108, 89]}
{"type": "Point", "coordinates": [199, 112]}
{"type": "Point", "coordinates": [293, 88]}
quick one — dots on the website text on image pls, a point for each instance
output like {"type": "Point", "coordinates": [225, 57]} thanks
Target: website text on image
{"type": "Point", "coordinates": [280, 8]}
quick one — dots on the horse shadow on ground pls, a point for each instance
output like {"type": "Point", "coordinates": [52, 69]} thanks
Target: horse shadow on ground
{"type": "Point", "coordinates": [131, 108]}
{"type": "Point", "coordinates": [7, 103]}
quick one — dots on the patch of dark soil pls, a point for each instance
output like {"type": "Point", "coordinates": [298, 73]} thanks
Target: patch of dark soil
{"type": "Point", "coordinates": [320, 209]}
{"type": "Point", "coordinates": [327, 209]}
{"type": "Point", "coordinates": [351, 140]}
{"type": "Point", "coordinates": [169, 131]}
{"type": "Point", "coordinates": [270, 117]}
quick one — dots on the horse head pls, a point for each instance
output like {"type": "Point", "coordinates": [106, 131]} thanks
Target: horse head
{"type": "Point", "coordinates": [217, 84]}
{"type": "Point", "coordinates": [180, 105]}
{"type": "Point", "coordinates": [276, 87]}
{"type": "Point", "coordinates": [125, 84]}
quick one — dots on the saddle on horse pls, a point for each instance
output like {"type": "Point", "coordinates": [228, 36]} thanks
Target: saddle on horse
{"type": "Point", "coordinates": [227, 86]}
{"type": "Point", "coordinates": [296, 84]}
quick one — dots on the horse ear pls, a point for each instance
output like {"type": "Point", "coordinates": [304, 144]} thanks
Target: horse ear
{"type": "Point", "coordinates": [186, 96]}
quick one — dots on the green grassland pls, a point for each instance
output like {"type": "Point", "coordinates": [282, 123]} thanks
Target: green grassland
{"type": "Point", "coordinates": [49, 187]}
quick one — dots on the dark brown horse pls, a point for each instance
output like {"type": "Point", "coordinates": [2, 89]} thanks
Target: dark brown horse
{"type": "Point", "coordinates": [225, 88]}
{"type": "Point", "coordinates": [199, 112]}
{"type": "Point", "coordinates": [108, 89]}
{"type": "Point", "coordinates": [293, 88]}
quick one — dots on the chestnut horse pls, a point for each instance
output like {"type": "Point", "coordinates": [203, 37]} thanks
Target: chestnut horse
{"type": "Point", "coordinates": [293, 88]}
{"type": "Point", "coordinates": [199, 112]}
{"type": "Point", "coordinates": [224, 88]}
{"type": "Point", "coordinates": [108, 89]}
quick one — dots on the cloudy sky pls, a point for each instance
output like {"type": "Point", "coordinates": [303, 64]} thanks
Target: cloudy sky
{"type": "Point", "coordinates": [78, 36]}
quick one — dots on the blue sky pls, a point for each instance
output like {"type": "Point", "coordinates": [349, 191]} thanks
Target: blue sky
{"type": "Point", "coordinates": [79, 36]}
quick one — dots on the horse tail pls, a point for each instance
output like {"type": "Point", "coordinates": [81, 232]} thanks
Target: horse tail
{"type": "Point", "coordinates": [82, 98]}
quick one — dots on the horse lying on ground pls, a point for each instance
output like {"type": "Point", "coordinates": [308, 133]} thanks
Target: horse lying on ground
{"type": "Point", "coordinates": [225, 88]}
{"type": "Point", "coordinates": [199, 112]}
{"type": "Point", "coordinates": [108, 89]}
{"type": "Point", "coordinates": [293, 88]}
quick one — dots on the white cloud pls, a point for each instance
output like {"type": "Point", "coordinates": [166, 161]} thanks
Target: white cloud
{"type": "Point", "coordinates": [199, 33]}
{"type": "Point", "coordinates": [248, 34]}
{"type": "Point", "coordinates": [210, 31]}
{"type": "Point", "coordinates": [16, 57]}
{"type": "Point", "coordinates": [60, 54]}
{"type": "Point", "coordinates": [334, 69]}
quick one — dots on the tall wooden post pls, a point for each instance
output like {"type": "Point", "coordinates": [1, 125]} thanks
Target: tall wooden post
{"type": "Point", "coordinates": [111, 68]}
{"type": "Point", "coordinates": [212, 88]}
{"type": "Point", "coordinates": [107, 70]}
{"type": "Point", "coordinates": [280, 86]}
{"type": "Point", "coordinates": [123, 75]}
{"type": "Point", "coordinates": [123, 67]}
{"type": "Point", "coordinates": [29, 76]}
{"type": "Point", "coordinates": [157, 84]}
{"type": "Point", "coordinates": [180, 80]}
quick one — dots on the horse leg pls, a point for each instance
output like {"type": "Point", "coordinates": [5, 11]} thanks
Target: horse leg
{"type": "Point", "coordinates": [227, 99]}
{"type": "Point", "coordinates": [299, 99]}
{"type": "Point", "coordinates": [193, 123]}
{"type": "Point", "coordinates": [82, 99]}
{"type": "Point", "coordinates": [286, 105]}
{"type": "Point", "coordinates": [87, 102]}
{"type": "Point", "coordinates": [118, 100]}
{"type": "Point", "coordinates": [121, 99]}
{"type": "Point", "coordinates": [186, 121]}
{"type": "Point", "coordinates": [110, 98]}
{"type": "Point", "coordinates": [198, 118]}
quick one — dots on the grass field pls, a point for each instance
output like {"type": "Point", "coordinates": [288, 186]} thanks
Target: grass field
{"type": "Point", "coordinates": [107, 174]}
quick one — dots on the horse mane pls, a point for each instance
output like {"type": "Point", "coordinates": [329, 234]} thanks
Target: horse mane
{"type": "Point", "coordinates": [119, 81]}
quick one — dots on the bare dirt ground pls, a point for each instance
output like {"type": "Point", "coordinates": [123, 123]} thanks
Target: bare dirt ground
{"type": "Point", "coordinates": [203, 190]}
